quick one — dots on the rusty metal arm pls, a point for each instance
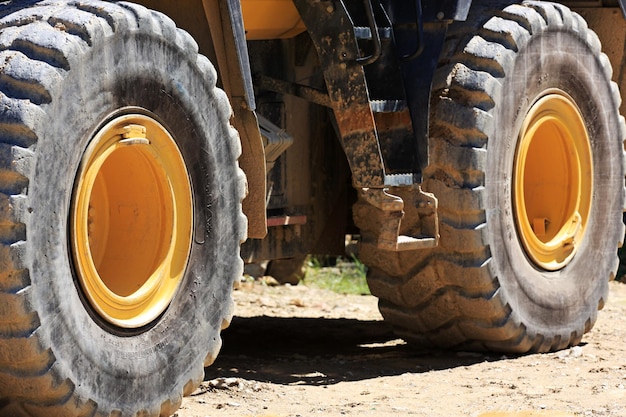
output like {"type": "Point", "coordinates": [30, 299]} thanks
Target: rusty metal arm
{"type": "Point", "coordinates": [298, 90]}
{"type": "Point", "coordinates": [333, 33]}
{"type": "Point", "coordinates": [330, 28]}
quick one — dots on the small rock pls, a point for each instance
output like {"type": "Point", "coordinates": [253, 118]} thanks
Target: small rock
{"type": "Point", "coordinates": [224, 383]}
{"type": "Point", "coordinates": [269, 281]}
{"type": "Point", "coordinates": [575, 352]}
{"type": "Point", "coordinates": [297, 302]}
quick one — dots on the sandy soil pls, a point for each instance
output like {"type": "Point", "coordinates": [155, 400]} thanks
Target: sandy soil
{"type": "Point", "coordinates": [297, 351]}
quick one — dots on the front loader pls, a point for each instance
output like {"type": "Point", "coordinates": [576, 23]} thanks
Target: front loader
{"type": "Point", "coordinates": [151, 148]}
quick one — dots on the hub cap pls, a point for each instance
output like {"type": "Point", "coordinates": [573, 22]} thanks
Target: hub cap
{"type": "Point", "coordinates": [552, 181]}
{"type": "Point", "coordinates": [131, 221]}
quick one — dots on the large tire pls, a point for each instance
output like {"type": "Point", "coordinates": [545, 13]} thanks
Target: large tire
{"type": "Point", "coordinates": [74, 75]}
{"type": "Point", "coordinates": [289, 270]}
{"type": "Point", "coordinates": [496, 282]}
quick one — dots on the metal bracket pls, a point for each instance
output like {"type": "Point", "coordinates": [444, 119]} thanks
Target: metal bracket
{"type": "Point", "coordinates": [392, 206]}
{"type": "Point", "coordinates": [298, 90]}
{"type": "Point", "coordinates": [228, 36]}
{"type": "Point", "coordinates": [275, 140]}
{"type": "Point", "coordinates": [332, 33]}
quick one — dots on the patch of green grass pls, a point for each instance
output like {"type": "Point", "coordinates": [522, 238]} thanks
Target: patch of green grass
{"type": "Point", "coordinates": [346, 277]}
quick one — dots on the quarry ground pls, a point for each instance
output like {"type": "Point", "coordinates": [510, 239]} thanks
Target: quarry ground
{"type": "Point", "coordinates": [299, 351]}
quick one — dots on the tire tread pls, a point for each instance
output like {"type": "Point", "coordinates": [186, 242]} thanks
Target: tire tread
{"type": "Point", "coordinates": [434, 302]}
{"type": "Point", "coordinates": [43, 41]}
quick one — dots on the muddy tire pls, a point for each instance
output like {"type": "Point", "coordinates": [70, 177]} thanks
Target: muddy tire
{"type": "Point", "coordinates": [287, 271]}
{"type": "Point", "coordinates": [526, 159]}
{"type": "Point", "coordinates": [113, 135]}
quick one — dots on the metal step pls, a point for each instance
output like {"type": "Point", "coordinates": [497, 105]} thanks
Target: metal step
{"type": "Point", "coordinates": [275, 140]}
{"type": "Point", "coordinates": [388, 106]}
{"type": "Point", "coordinates": [365, 33]}
{"type": "Point", "coordinates": [392, 206]}
{"type": "Point", "coordinates": [399, 180]}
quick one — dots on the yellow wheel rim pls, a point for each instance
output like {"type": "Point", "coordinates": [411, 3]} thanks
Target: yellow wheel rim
{"type": "Point", "coordinates": [552, 181]}
{"type": "Point", "coordinates": [131, 221]}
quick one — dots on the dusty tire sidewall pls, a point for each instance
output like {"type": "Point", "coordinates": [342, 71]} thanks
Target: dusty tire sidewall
{"type": "Point", "coordinates": [137, 368]}
{"type": "Point", "coordinates": [546, 300]}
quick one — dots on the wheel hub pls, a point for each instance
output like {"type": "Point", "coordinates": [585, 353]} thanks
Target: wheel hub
{"type": "Point", "coordinates": [131, 221]}
{"type": "Point", "coordinates": [552, 181]}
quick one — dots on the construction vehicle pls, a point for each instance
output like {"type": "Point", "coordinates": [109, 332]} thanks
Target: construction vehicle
{"type": "Point", "coordinates": [148, 150]}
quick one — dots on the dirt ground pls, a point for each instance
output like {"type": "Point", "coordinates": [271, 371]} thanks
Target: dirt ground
{"type": "Point", "coordinates": [297, 351]}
